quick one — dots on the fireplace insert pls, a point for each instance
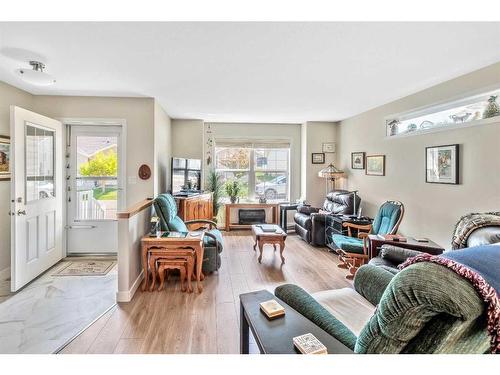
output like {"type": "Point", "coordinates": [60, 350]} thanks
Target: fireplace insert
{"type": "Point", "coordinates": [247, 216]}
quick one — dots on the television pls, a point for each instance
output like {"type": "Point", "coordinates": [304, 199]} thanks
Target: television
{"type": "Point", "coordinates": [186, 176]}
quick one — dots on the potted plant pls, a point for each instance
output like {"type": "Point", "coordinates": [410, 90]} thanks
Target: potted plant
{"type": "Point", "coordinates": [233, 189]}
{"type": "Point", "coordinates": [215, 185]}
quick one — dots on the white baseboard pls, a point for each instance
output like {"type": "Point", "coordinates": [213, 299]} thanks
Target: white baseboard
{"type": "Point", "coordinates": [127, 295]}
{"type": "Point", "coordinates": [5, 273]}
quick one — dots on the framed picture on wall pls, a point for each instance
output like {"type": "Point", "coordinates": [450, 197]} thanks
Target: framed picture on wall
{"type": "Point", "coordinates": [358, 160]}
{"type": "Point", "coordinates": [318, 158]}
{"type": "Point", "coordinates": [375, 165]}
{"type": "Point", "coordinates": [328, 147]}
{"type": "Point", "coordinates": [4, 158]}
{"type": "Point", "coordinates": [441, 164]}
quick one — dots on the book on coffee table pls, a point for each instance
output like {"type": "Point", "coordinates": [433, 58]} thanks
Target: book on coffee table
{"type": "Point", "coordinates": [309, 344]}
{"type": "Point", "coordinates": [269, 228]}
{"type": "Point", "coordinates": [272, 309]}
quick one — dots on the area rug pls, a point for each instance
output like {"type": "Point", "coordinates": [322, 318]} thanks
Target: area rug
{"type": "Point", "coordinates": [85, 268]}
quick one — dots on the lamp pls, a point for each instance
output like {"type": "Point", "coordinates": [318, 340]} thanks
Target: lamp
{"type": "Point", "coordinates": [330, 173]}
{"type": "Point", "coordinates": [36, 76]}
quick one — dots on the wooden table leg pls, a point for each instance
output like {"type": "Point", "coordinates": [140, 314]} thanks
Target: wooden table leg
{"type": "Point", "coordinates": [161, 271]}
{"type": "Point", "coordinates": [282, 248]}
{"type": "Point", "coordinates": [190, 268]}
{"type": "Point", "coordinates": [244, 332]}
{"type": "Point", "coordinates": [152, 267]}
{"type": "Point", "coordinates": [199, 262]}
{"type": "Point", "coordinates": [145, 267]}
{"type": "Point", "coordinates": [183, 276]}
{"type": "Point", "coordinates": [261, 248]}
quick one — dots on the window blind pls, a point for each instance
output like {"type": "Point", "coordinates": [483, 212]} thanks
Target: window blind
{"type": "Point", "coordinates": [236, 143]}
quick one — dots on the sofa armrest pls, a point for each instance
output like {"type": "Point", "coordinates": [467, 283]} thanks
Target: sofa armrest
{"type": "Point", "coordinates": [218, 244]}
{"type": "Point", "coordinates": [396, 254]}
{"type": "Point", "coordinates": [306, 305]}
{"type": "Point", "coordinates": [318, 217]}
{"type": "Point", "coordinates": [371, 281]}
{"type": "Point", "coordinates": [307, 209]}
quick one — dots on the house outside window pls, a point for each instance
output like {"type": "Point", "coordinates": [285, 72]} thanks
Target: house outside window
{"type": "Point", "coordinates": [261, 168]}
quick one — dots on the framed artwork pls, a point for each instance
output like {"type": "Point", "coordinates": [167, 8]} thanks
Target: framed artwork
{"type": "Point", "coordinates": [318, 158]}
{"type": "Point", "coordinates": [375, 165]}
{"type": "Point", "coordinates": [357, 160]}
{"type": "Point", "coordinates": [441, 164]}
{"type": "Point", "coordinates": [4, 158]}
{"type": "Point", "coordinates": [328, 147]}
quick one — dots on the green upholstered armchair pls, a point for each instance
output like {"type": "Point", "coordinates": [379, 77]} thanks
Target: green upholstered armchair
{"type": "Point", "coordinates": [353, 252]}
{"type": "Point", "coordinates": [166, 209]}
{"type": "Point", "coordinates": [425, 308]}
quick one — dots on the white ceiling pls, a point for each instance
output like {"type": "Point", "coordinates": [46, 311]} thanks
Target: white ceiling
{"type": "Point", "coordinates": [250, 72]}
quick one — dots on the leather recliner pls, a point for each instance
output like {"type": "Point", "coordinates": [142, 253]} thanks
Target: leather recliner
{"type": "Point", "coordinates": [310, 221]}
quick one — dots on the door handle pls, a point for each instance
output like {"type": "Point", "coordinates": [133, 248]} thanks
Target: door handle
{"type": "Point", "coordinates": [11, 213]}
{"type": "Point", "coordinates": [19, 212]}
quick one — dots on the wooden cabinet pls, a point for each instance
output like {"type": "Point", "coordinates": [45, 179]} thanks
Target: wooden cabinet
{"type": "Point", "coordinates": [195, 207]}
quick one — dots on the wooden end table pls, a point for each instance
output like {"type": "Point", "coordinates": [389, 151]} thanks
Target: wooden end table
{"type": "Point", "coordinates": [273, 238]}
{"type": "Point", "coordinates": [275, 336]}
{"type": "Point", "coordinates": [168, 244]}
{"type": "Point", "coordinates": [375, 242]}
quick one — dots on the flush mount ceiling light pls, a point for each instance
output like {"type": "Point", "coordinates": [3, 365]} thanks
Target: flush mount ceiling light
{"type": "Point", "coordinates": [36, 76]}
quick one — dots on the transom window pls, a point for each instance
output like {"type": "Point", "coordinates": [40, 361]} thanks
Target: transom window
{"type": "Point", "coordinates": [261, 168]}
{"type": "Point", "coordinates": [476, 109]}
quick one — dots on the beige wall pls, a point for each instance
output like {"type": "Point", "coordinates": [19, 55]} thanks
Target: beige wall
{"type": "Point", "coordinates": [163, 149]}
{"type": "Point", "coordinates": [314, 134]}
{"type": "Point", "coordinates": [139, 115]}
{"type": "Point", "coordinates": [187, 136]}
{"type": "Point", "coordinates": [9, 95]}
{"type": "Point", "coordinates": [431, 209]}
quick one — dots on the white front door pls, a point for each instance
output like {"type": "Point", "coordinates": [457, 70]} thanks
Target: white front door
{"type": "Point", "coordinates": [94, 189]}
{"type": "Point", "coordinates": [36, 195]}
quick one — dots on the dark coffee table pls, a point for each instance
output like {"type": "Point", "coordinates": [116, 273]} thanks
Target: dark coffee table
{"type": "Point", "coordinates": [275, 336]}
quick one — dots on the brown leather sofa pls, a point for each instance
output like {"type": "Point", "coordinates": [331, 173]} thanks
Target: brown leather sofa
{"type": "Point", "coordinates": [310, 221]}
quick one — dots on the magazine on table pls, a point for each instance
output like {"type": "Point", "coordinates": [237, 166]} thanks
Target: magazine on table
{"type": "Point", "coordinates": [174, 235]}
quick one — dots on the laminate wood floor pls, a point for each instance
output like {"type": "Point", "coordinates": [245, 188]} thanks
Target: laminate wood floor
{"type": "Point", "coordinates": [173, 322]}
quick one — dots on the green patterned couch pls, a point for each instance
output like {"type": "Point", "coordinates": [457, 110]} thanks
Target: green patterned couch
{"type": "Point", "coordinates": [425, 308]}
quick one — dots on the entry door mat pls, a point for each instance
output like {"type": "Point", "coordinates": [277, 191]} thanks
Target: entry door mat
{"type": "Point", "coordinates": [86, 268]}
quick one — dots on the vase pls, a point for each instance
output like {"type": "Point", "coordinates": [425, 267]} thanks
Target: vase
{"type": "Point", "coordinates": [233, 200]}
{"type": "Point", "coordinates": [492, 109]}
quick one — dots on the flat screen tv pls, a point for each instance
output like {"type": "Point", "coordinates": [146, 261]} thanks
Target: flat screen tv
{"type": "Point", "coordinates": [186, 175]}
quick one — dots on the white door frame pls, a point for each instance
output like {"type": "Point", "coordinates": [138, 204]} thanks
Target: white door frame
{"type": "Point", "coordinates": [93, 121]}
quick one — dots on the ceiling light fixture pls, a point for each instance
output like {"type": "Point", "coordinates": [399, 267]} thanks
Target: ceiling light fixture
{"type": "Point", "coordinates": [36, 76]}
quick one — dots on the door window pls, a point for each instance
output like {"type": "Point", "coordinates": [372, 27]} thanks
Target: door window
{"type": "Point", "coordinates": [96, 177]}
{"type": "Point", "coordinates": [39, 157]}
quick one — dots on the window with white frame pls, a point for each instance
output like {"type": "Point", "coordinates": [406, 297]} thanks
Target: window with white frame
{"type": "Point", "coordinates": [261, 168]}
{"type": "Point", "coordinates": [468, 110]}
